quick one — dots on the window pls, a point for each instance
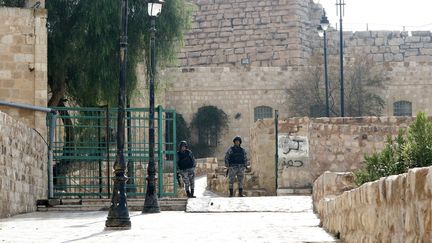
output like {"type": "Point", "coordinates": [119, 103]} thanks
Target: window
{"type": "Point", "coordinates": [262, 112]}
{"type": "Point", "coordinates": [208, 137]}
{"type": "Point", "coordinates": [402, 108]}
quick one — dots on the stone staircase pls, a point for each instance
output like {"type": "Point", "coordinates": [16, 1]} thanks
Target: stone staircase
{"type": "Point", "coordinates": [166, 204]}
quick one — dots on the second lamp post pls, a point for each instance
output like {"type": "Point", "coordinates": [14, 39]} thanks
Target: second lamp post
{"type": "Point", "coordinates": [151, 203]}
{"type": "Point", "coordinates": [322, 31]}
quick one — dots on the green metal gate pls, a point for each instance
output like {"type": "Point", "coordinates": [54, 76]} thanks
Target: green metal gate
{"type": "Point", "coordinates": [84, 150]}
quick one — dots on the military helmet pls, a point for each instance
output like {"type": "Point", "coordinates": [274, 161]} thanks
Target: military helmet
{"type": "Point", "coordinates": [237, 138]}
{"type": "Point", "coordinates": [183, 143]}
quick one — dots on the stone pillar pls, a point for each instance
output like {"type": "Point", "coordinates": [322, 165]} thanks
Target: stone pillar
{"type": "Point", "coordinates": [23, 62]}
{"type": "Point", "coordinates": [40, 65]}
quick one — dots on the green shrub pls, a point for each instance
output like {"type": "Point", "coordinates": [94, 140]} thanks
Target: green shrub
{"type": "Point", "coordinates": [409, 149]}
{"type": "Point", "coordinates": [389, 161]}
{"type": "Point", "coordinates": [209, 123]}
{"type": "Point", "coordinates": [418, 150]}
{"type": "Point", "coordinates": [182, 130]}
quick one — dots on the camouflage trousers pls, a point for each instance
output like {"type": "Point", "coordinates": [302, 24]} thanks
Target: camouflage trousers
{"type": "Point", "coordinates": [233, 171]}
{"type": "Point", "coordinates": [188, 177]}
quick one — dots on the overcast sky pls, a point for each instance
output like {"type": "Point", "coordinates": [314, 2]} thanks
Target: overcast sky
{"type": "Point", "coordinates": [382, 14]}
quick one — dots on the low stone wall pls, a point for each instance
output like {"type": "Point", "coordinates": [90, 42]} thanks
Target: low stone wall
{"type": "Point", "coordinates": [331, 184]}
{"type": "Point", "coordinates": [23, 167]}
{"type": "Point", "coordinates": [218, 183]}
{"type": "Point", "coordinates": [393, 209]}
{"type": "Point", "coordinates": [308, 147]}
{"type": "Point", "coordinates": [205, 165]}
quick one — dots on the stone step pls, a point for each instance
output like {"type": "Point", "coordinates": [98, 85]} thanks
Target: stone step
{"type": "Point", "coordinates": [172, 204]}
{"type": "Point", "coordinates": [287, 204]}
{"type": "Point", "coordinates": [255, 192]}
{"type": "Point", "coordinates": [294, 191]}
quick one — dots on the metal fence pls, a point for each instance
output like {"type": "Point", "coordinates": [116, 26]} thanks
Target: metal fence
{"type": "Point", "coordinates": [84, 150]}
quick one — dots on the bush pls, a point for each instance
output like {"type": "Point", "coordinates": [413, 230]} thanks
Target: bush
{"type": "Point", "coordinates": [182, 129]}
{"type": "Point", "coordinates": [387, 162]}
{"type": "Point", "coordinates": [418, 150]}
{"type": "Point", "coordinates": [409, 149]}
{"type": "Point", "coordinates": [209, 122]}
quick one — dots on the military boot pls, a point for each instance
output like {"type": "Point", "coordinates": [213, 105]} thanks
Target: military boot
{"type": "Point", "coordinates": [188, 194]}
{"type": "Point", "coordinates": [240, 194]}
{"type": "Point", "coordinates": [192, 193]}
{"type": "Point", "coordinates": [231, 192]}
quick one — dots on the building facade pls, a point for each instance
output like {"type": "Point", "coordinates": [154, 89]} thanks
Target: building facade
{"type": "Point", "coordinates": [23, 62]}
{"type": "Point", "coordinates": [243, 56]}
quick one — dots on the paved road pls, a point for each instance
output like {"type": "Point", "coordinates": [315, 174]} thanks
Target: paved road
{"type": "Point", "coordinates": [293, 221]}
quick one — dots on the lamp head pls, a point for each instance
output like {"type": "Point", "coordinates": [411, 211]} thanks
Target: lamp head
{"type": "Point", "coordinates": [324, 22]}
{"type": "Point", "coordinates": [154, 7]}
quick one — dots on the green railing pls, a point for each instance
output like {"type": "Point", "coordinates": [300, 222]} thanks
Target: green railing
{"type": "Point", "coordinates": [84, 151]}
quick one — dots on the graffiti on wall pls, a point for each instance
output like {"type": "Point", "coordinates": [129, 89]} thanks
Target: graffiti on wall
{"type": "Point", "coordinates": [292, 150]}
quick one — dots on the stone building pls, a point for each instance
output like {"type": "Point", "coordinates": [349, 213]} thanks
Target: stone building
{"type": "Point", "coordinates": [243, 56]}
{"type": "Point", "coordinates": [23, 61]}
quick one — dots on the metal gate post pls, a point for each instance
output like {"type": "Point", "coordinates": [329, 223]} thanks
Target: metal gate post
{"type": "Point", "coordinates": [52, 127]}
{"type": "Point", "coordinates": [160, 158]}
{"type": "Point", "coordinates": [175, 150]}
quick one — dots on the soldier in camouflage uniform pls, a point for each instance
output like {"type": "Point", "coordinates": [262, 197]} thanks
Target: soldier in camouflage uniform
{"type": "Point", "coordinates": [236, 162]}
{"type": "Point", "coordinates": [186, 164]}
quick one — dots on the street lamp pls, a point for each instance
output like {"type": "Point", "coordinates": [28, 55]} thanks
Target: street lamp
{"type": "Point", "coordinates": [151, 203]}
{"type": "Point", "coordinates": [118, 215]}
{"type": "Point", "coordinates": [341, 5]}
{"type": "Point", "coordinates": [322, 32]}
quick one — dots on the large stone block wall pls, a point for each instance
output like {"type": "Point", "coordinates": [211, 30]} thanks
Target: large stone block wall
{"type": "Point", "coordinates": [393, 209]}
{"type": "Point", "coordinates": [333, 144]}
{"type": "Point", "coordinates": [234, 90]}
{"type": "Point", "coordinates": [23, 167]}
{"type": "Point", "coordinates": [278, 37]}
{"type": "Point", "coordinates": [405, 57]}
{"type": "Point", "coordinates": [205, 166]}
{"type": "Point", "coordinates": [23, 62]}
{"type": "Point", "coordinates": [265, 32]}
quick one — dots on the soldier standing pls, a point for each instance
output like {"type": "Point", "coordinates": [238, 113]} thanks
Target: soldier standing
{"type": "Point", "coordinates": [186, 164]}
{"type": "Point", "coordinates": [236, 162]}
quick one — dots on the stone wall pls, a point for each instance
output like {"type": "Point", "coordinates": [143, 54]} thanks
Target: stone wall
{"type": "Point", "coordinates": [218, 183]}
{"type": "Point", "coordinates": [246, 32]}
{"type": "Point", "coordinates": [236, 91]}
{"type": "Point", "coordinates": [331, 144]}
{"type": "Point", "coordinates": [330, 185]}
{"type": "Point", "coordinates": [393, 209]}
{"type": "Point", "coordinates": [275, 39]}
{"type": "Point", "coordinates": [205, 165]}
{"type": "Point", "coordinates": [405, 57]}
{"type": "Point", "coordinates": [23, 62]}
{"type": "Point", "coordinates": [23, 167]}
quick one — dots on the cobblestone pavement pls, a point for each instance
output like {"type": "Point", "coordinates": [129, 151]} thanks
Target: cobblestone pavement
{"type": "Point", "coordinates": [293, 221]}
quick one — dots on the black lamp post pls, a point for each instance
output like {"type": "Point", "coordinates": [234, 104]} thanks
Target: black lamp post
{"type": "Point", "coordinates": [151, 203]}
{"type": "Point", "coordinates": [322, 31]}
{"type": "Point", "coordinates": [341, 5]}
{"type": "Point", "coordinates": [118, 215]}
